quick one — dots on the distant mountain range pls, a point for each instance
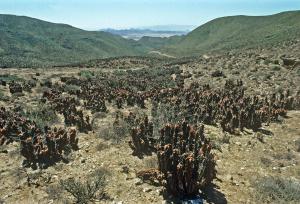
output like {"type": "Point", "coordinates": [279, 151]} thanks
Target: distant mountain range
{"type": "Point", "coordinates": [29, 42]}
{"type": "Point", "coordinates": [169, 27]}
{"type": "Point", "coordinates": [137, 34]}
{"type": "Point", "coordinates": [162, 31]}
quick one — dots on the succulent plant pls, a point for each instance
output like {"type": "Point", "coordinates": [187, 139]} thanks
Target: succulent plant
{"type": "Point", "coordinates": [67, 107]}
{"type": "Point", "coordinates": [15, 87]}
{"type": "Point", "coordinates": [230, 107]}
{"type": "Point", "coordinates": [38, 146]}
{"type": "Point", "coordinates": [185, 159]}
{"type": "Point", "coordinates": [142, 141]}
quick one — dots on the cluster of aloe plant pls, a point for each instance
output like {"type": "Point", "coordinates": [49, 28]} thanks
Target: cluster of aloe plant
{"type": "Point", "coordinates": [38, 146]}
{"type": "Point", "coordinates": [142, 141]}
{"type": "Point", "coordinates": [185, 159]}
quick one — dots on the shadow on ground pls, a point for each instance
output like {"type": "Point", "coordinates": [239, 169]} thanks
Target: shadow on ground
{"type": "Point", "coordinates": [213, 195]}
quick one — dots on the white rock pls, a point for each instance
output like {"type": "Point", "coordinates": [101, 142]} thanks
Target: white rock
{"type": "Point", "coordinates": [146, 190]}
{"type": "Point", "coordinates": [238, 143]}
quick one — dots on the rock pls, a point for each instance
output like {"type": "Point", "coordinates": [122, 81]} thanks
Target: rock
{"type": "Point", "coordinates": [297, 144]}
{"type": "Point", "coordinates": [125, 169]}
{"type": "Point", "coordinates": [138, 182]}
{"type": "Point", "coordinates": [4, 151]}
{"type": "Point", "coordinates": [159, 191]}
{"type": "Point", "coordinates": [54, 178]}
{"type": "Point", "coordinates": [260, 137]}
{"type": "Point", "coordinates": [280, 119]}
{"type": "Point", "coordinates": [83, 160]}
{"type": "Point", "coordinates": [147, 190]}
{"type": "Point", "coordinates": [238, 143]}
{"type": "Point", "coordinates": [297, 64]}
{"type": "Point", "coordinates": [288, 61]}
{"type": "Point", "coordinates": [206, 57]}
{"type": "Point", "coordinates": [7, 196]}
{"type": "Point", "coordinates": [228, 177]}
{"type": "Point", "coordinates": [217, 73]}
{"type": "Point", "coordinates": [117, 202]}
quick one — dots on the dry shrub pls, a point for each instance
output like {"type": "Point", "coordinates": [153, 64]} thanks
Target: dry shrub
{"type": "Point", "coordinates": [86, 191]}
{"type": "Point", "coordinates": [278, 190]}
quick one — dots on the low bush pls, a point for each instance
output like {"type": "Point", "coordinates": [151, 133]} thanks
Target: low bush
{"type": "Point", "coordinates": [42, 114]}
{"type": "Point", "coordinates": [86, 191]}
{"type": "Point", "coordinates": [3, 97]}
{"type": "Point", "coordinates": [72, 89]}
{"type": "Point", "coordinates": [10, 77]}
{"type": "Point", "coordinates": [297, 143]}
{"type": "Point", "coordinates": [278, 190]}
{"type": "Point", "coordinates": [86, 74]}
{"type": "Point", "coordinates": [116, 132]}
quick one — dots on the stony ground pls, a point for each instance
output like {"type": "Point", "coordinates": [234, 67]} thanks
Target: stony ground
{"type": "Point", "coordinates": [241, 159]}
{"type": "Point", "coordinates": [240, 162]}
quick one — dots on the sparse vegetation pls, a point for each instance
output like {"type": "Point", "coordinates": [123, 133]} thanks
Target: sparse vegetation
{"type": "Point", "coordinates": [3, 97]}
{"type": "Point", "coordinates": [278, 190]}
{"type": "Point", "coordinates": [86, 74]}
{"type": "Point", "coordinates": [86, 191]}
{"type": "Point", "coordinates": [10, 77]}
{"type": "Point", "coordinates": [102, 146]}
{"type": "Point", "coordinates": [42, 114]}
{"type": "Point", "coordinates": [297, 143]}
{"type": "Point", "coordinates": [55, 192]}
{"type": "Point", "coordinates": [116, 133]}
{"type": "Point", "coordinates": [71, 89]}
{"type": "Point", "coordinates": [181, 117]}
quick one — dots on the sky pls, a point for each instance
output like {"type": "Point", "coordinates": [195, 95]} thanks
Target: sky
{"type": "Point", "coordinates": [99, 14]}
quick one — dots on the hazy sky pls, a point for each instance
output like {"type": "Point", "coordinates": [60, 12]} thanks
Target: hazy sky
{"type": "Point", "coordinates": [95, 14]}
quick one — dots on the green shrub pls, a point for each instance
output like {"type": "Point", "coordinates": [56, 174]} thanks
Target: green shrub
{"type": "Point", "coordinates": [86, 74]}
{"type": "Point", "coordinates": [297, 144]}
{"type": "Point", "coordinates": [55, 192]}
{"type": "Point", "coordinates": [87, 191]}
{"type": "Point", "coordinates": [298, 71]}
{"type": "Point", "coordinates": [17, 95]}
{"type": "Point", "coordinates": [116, 133]}
{"type": "Point", "coordinates": [10, 77]}
{"type": "Point", "coordinates": [101, 146]}
{"type": "Point", "coordinates": [71, 88]}
{"type": "Point", "coordinates": [278, 190]}
{"type": "Point", "coordinates": [276, 68]}
{"type": "Point", "coordinates": [3, 97]}
{"type": "Point", "coordinates": [42, 114]}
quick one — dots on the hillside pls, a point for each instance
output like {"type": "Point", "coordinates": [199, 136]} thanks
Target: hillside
{"type": "Point", "coordinates": [238, 32]}
{"type": "Point", "coordinates": [154, 43]}
{"type": "Point", "coordinates": [26, 42]}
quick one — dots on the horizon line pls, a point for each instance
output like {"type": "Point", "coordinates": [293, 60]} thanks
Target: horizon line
{"type": "Point", "coordinates": [141, 26]}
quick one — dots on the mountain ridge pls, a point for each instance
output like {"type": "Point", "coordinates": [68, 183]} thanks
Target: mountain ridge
{"type": "Point", "coordinates": [36, 42]}
{"type": "Point", "coordinates": [30, 42]}
{"type": "Point", "coordinates": [235, 32]}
